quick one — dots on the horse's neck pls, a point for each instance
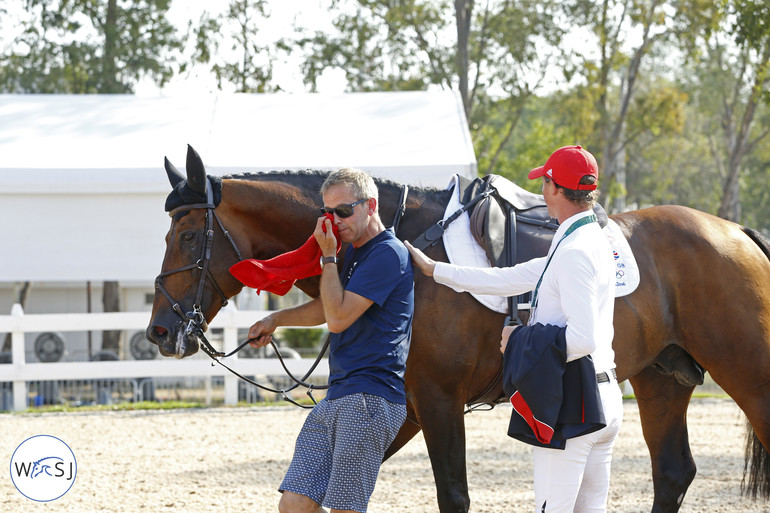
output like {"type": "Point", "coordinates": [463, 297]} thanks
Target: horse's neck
{"type": "Point", "coordinates": [424, 207]}
{"type": "Point", "coordinates": [277, 213]}
{"type": "Point", "coordinates": [277, 216]}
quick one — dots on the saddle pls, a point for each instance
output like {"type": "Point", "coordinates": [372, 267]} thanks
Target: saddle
{"type": "Point", "coordinates": [509, 223]}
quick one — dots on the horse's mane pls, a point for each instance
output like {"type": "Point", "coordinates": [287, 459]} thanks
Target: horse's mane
{"type": "Point", "coordinates": [759, 239]}
{"type": "Point", "coordinates": [275, 175]}
{"type": "Point", "coordinates": [300, 175]}
{"type": "Point", "coordinates": [182, 194]}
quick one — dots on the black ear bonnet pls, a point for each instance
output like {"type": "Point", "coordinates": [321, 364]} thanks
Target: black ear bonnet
{"type": "Point", "coordinates": [184, 195]}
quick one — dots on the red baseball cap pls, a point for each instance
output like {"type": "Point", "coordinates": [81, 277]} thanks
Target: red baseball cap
{"type": "Point", "coordinates": [566, 166]}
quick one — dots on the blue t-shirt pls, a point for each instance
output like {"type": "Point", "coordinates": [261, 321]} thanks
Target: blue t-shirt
{"type": "Point", "coordinates": [370, 355]}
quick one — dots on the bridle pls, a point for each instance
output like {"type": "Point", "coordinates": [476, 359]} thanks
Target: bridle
{"type": "Point", "coordinates": [196, 322]}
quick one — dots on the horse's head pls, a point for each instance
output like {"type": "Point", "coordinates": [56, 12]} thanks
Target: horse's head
{"type": "Point", "coordinates": [193, 283]}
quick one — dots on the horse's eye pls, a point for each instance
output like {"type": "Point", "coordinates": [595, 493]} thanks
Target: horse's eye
{"type": "Point", "coordinates": [188, 236]}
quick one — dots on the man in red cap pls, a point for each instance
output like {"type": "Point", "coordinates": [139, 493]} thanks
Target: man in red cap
{"type": "Point", "coordinates": [573, 302]}
{"type": "Point", "coordinates": [368, 308]}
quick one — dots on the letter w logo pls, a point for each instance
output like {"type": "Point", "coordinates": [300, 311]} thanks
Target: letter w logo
{"type": "Point", "coordinates": [24, 469]}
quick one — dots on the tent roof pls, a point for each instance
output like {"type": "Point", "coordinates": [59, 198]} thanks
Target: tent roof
{"type": "Point", "coordinates": [83, 180]}
{"type": "Point", "coordinates": [419, 138]}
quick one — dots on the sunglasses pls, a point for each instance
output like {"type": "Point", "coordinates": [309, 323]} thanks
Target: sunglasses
{"type": "Point", "coordinates": [342, 211]}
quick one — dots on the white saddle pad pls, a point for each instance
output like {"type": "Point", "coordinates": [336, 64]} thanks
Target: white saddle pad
{"type": "Point", "coordinates": [462, 249]}
{"type": "Point", "coordinates": [626, 270]}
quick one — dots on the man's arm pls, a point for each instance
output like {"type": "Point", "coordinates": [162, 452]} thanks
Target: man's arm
{"type": "Point", "coordinates": [421, 260]}
{"type": "Point", "coordinates": [307, 314]}
{"type": "Point", "coordinates": [493, 281]}
{"type": "Point", "coordinates": [341, 307]}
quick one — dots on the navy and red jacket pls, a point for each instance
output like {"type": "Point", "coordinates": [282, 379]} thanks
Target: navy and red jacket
{"type": "Point", "coordinates": [552, 400]}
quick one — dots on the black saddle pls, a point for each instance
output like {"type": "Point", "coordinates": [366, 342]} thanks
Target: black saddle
{"type": "Point", "coordinates": [510, 223]}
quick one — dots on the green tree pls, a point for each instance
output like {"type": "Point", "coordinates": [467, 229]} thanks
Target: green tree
{"type": "Point", "coordinates": [541, 128]}
{"type": "Point", "coordinates": [744, 70]}
{"type": "Point", "coordinates": [249, 63]}
{"type": "Point", "coordinates": [728, 50]}
{"type": "Point", "coordinates": [89, 46]}
{"type": "Point", "coordinates": [495, 56]}
{"type": "Point", "coordinates": [624, 36]}
{"type": "Point", "coordinates": [755, 182]}
{"type": "Point", "coordinates": [675, 168]}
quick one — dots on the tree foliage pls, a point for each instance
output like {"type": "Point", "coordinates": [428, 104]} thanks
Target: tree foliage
{"type": "Point", "coordinates": [89, 46]}
{"type": "Point", "coordinates": [383, 46]}
{"type": "Point", "coordinates": [671, 95]}
{"type": "Point", "coordinates": [616, 73]}
{"type": "Point", "coordinates": [495, 55]}
{"type": "Point", "coordinates": [624, 35]}
{"type": "Point", "coordinates": [728, 78]}
{"type": "Point", "coordinates": [247, 62]}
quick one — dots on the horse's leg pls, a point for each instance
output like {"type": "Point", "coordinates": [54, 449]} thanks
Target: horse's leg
{"type": "Point", "coordinates": [745, 381]}
{"type": "Point", "coordinates": [406, 433]}
{"type": "Point", "coordinates": [663, 405]}
{"type": "Point", "coordinates": [443, 425]}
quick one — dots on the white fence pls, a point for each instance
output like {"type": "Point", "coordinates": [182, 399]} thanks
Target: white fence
{"type": "Point", "coordinates": [229, 319]}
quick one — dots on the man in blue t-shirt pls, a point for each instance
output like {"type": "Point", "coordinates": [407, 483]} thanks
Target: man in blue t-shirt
{"type": "Point", "coordinates": [368, 308]}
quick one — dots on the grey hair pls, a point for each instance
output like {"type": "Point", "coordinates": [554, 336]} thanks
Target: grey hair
{"type": "Point", "coordinates": [361, 184]}
{"type": "Point", "coordinates": [584, 198]}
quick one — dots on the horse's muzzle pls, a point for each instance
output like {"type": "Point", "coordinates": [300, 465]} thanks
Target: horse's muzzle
{"type": "Point", "coordinates": [178, 341]}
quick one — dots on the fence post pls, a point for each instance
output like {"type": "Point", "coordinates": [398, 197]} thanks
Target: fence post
{"type": "Point", "coordinates": [230, 342]}
{"type": "Point", "coordinates": [18, 359]}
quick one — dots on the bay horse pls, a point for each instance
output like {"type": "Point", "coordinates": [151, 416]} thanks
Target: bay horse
{"type": "Point", "coordinates": [703, 303]}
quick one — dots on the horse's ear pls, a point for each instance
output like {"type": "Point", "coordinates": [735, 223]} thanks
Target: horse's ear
{"type": "Point", "coordinates": [196, 172]}
{"type": "Point", "coordinates": [174, 176]}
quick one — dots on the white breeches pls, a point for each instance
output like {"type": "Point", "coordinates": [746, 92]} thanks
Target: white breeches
{"type": "Point", "coordinates": [577, 479]}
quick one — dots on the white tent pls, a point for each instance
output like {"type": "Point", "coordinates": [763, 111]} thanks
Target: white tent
{"type": "Point", "coordinates": [82, 185]}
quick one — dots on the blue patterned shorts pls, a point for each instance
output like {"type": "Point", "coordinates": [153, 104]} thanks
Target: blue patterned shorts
{"type": "Point", "coordinates": [340, 448]}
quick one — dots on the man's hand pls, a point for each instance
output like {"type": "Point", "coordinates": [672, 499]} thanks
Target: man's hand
{"type": "Point", "coordinates": [325, 236]}
{"type": "Point", "coordinates": [261, 332]}
{"type": "Point", "coordinates": [507, 332]}
{"type": "Point", "coordinates": [423, 263]}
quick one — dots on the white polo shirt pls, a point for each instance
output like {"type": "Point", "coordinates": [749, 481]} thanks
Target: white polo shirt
{"type": "Point", "coordinates": [577, 290]}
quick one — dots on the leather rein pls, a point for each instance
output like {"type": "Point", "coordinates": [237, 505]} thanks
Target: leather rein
{"type": "Point", "coordinates": [196, 322]}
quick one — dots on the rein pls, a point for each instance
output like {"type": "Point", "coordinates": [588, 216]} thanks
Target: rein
{"type": "Point", "coordinates": [401, 209]}
{"type": "Point", "coordinates": [217, 357]}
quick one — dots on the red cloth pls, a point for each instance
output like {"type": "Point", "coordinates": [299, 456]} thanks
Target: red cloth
{"type": "Point", "coordinates": [277, 275]}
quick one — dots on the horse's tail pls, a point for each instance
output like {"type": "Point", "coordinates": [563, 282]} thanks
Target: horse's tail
{"type": "Point", "coordinates": [759, 239]}
{"type": "Point", "coordinates": [756, 467]}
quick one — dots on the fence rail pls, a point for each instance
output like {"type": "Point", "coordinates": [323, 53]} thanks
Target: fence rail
{"type": "Point", "coordinates": [230, 319]}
